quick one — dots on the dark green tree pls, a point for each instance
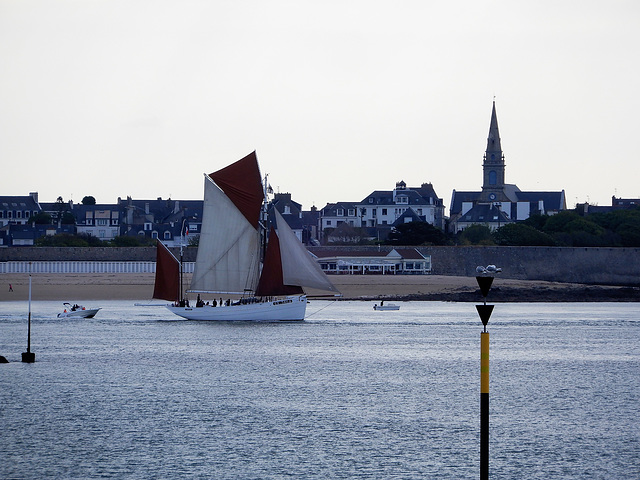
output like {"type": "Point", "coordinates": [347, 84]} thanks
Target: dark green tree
{"type": "Point", "coordinates": [68, 218]}
{"type": "Point", "coordinates": [557, 223]}
{"type": "Point", "coordinates": [132, 241]}
{"type": "Point", "coordinates": [88, 200]}
{"type": "Point", "coordinates": [416, 233]}
{"type": "Point", "coordinates": [476, 234]}
{"type": "Point", "coordinates": [61, 240]}
{"type": "Point", "coordinates": [519, 234]}
{"type": "Point", "coordinates": [536, 221]}
{"type": "Point", "coordinates": [41, 218]}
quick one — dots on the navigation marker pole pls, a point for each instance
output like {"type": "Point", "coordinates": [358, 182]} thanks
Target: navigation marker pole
{"type": "Point", "coordinates": [484, 311]}
{"type": "Point", "coordinates": [29, 356]}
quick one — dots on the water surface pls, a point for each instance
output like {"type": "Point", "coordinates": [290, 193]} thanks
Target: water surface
{"type": "Point", "coordinates": [349, 393]}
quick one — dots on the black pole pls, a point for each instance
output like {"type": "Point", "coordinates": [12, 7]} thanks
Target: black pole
{"type": "Point", "coordinates": [28, 357]}
{"type": "Point", "coordinates": [181, 273]}
{"type": "Point", "coordinates": [484, 406]}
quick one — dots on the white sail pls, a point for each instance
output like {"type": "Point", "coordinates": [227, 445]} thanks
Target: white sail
{"type": "Point", "coordinates": [228, 250]}
{"type": "Point", "coordinates": [298, 266]}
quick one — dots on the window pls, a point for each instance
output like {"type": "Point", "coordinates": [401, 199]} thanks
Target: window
{"type": "Point", "coordinates": [114, 221]}
{"type": "Point", "coordinates": [154, 235]}
{"type": "Point", "coordinates": [352, 212]}
{"type": "Point", "coordinates": [102, 221]}
{"type": "Point", "coordinates": [402, 199]}
{"type": "Point", "coordinates": [328, 223]}
{"type": "Point", "coordinates": [287, 210]}
{"type": "Point", "coordinates": [371, 200]}
{"type": "Point", "coordinates": [384, 211]}
{"type": "Point", "coordinates": [147, 226]}
{"type": "Point", "coordinates": [340, 212]}
{"type": "Point", "coordinates": [167, 235]}
{"type": "Point", "coordinates": [102, 233]}
{"type": "Point", "coordinates": [493, 177]}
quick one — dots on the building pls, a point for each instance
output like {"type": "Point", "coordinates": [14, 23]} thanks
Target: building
{"type": "Point", "coordinates": [616, 204]}
{"type": "Point", "coordinates": [171, 221]}
{"type": "Point", "coordinates": [291, 212]}
{"type": "Point", "coordinates": [335, 214]}
{"type": "Point", "coordinates": [18, 210]}
{"type": "Point", "coordinates": [381, 210]}
{"type": "Point", "coordinates": [101, 220]}
{"type": "Point", "coordinates": [367, 262]}
{"type": "Point", "coordinates": [385, 207]}
{"type": "Point", "coordinates": [499, 202]}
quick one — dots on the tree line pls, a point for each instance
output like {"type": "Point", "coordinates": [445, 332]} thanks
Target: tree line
{"type": "Point", "coordinates": [569, 228]}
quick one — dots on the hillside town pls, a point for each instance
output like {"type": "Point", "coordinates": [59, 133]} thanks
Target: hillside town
{"type": "Point", "coordinates": [374, 219]}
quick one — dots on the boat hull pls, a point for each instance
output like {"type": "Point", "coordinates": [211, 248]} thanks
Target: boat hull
{"type": "Point", "coordinates": [86, 313]}
{"type": "Point", "coordinates": [289, 309]}
{"type": "Point", "coordinates": [386, 307]}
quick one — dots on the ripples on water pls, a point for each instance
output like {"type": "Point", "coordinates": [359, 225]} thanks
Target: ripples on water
{"type": "Point", "coordinates": [350, 393]}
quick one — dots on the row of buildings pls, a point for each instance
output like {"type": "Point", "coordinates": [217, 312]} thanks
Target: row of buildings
{"type": "Point", "coordinates": [373, 217]}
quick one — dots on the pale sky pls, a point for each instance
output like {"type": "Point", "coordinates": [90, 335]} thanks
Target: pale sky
{"type": "Point", "coordinates": [116, 98]}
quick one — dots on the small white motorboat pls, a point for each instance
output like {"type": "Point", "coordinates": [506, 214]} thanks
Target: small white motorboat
{"type": "Point", "coordinates": [389, 306]}
{"type": "Point", "coordinates": [79, 311]}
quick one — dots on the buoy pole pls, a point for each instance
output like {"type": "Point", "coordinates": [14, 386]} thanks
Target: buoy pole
{"type": "Point", "coordinates": [484, 312]}
{"type": "Point", "coordinates": [28, 357]}
{"type": "Point", "coordinates": [484, 405]}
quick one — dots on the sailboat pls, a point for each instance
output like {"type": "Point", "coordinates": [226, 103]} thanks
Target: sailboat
{"type": "Point", "coordinates": [244, 251]}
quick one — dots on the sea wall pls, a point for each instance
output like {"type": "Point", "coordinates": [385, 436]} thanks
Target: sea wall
{"type": "Point", "coordinates": [89, 254]}
{"type": "Point", "coordinates": [604, 266]}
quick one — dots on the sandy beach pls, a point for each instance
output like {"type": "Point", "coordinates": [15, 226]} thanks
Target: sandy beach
{"type": "Point", "coordinates": [83, 287]}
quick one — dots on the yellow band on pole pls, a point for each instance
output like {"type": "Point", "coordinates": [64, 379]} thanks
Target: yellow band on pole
{"type": "Point", "coordinates": [484, 362]}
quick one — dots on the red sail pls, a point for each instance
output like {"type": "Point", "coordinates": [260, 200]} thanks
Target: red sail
{"type": "Point", "coordinates": [167, 285]}
{"type": "Point", "coordinates": [241, 182]}
{"type": "Point", "coordinates": [271, 280]}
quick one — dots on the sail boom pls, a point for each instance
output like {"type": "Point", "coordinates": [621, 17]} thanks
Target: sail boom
{"type": "Point", "coordinates": [220, 291]}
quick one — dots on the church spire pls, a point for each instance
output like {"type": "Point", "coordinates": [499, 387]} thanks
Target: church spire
{"type": "Point", "coordinates": [493, 141]}
{"type": "Point", "coordinates": [493, 165]}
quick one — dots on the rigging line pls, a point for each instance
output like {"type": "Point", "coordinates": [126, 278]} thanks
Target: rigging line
{"type": "Point", "coordinates": [326, 306]}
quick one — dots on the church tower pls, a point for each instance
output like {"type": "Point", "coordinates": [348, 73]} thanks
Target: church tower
{"type": "Point", "coordinates": [493, 165]}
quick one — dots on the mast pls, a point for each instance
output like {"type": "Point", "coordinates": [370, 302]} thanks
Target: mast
{"type": "Point", "coordinates": [181, 296]}
{"type": "Point", "coordinates": [265, 216]}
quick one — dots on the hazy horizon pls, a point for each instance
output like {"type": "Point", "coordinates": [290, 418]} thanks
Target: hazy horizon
{"type": "Point", "coordinates": [114, 98]}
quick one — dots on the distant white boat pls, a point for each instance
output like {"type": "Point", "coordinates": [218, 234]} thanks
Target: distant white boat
{"type": "Point", "coordinates": [389, 306]}
{"type": "Point", "coordinates": [78, 311]}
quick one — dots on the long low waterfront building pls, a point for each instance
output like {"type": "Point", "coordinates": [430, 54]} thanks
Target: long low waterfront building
{"type": "Point", "coordinates": [368, 262]}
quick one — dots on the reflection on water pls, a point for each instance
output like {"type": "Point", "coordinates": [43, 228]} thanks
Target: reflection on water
{"type": "Point", "coordinates": [350, 393]}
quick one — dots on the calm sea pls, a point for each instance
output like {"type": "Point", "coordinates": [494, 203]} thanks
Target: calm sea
{"type": "Point", "coordinates": [349, 393]}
